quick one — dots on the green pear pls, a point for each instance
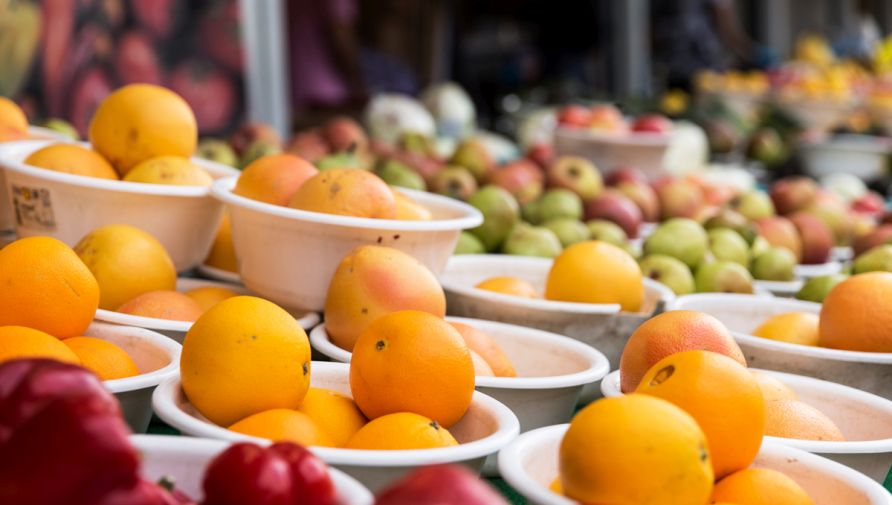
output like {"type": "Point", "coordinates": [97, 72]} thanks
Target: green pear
{"type": "Point", "coordinates": [500, 213]}
{"type": "Point", "coordinates": [468, 243]}
{"type": "Point", "coordinates": [727, 218]}
{"type": "Point", "coordinates": [753, 205]}
{"type": "Point", "coordinates": [553, 204]}
{"type": "Point", "coordinates": [775, 264]}
{"type": "Point", "coordinates": [63, 128]}
{"type": "Point", "coordinates": [526, 240]}
{"type": "Point", "coordinates": [759, 246]}
{"type": "Point", "coordinates": [569, 231]}
{"type": "Point", "coordinates": [343, 159]}
{"type": "Point", "coordinates": [671, 272]}
{"type": "Point", "coordinates": [723, 277]}
{"type": "Point", "coordinates": [217, 150]}
{"type": "Point", "coordinates": [398, 174]}
{"type": "Point", "coordinates": [726, 244]}
{"type": "Point", "coordinates": [258, 150]}
{"type": "Point", "coordinates": [876, 259]}
{"type": "Point", "coordinates": [681, 238]}
{"type": "Point", "coordinates": [474, 156]}
{"type": "Point", "coordinates": [816, 288]}
{"type": "Point", "coordinates": [607, 231]}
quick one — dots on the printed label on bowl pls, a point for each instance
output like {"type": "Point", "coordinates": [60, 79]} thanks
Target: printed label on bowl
{"type": "Point", "coordinates": [33, 207]}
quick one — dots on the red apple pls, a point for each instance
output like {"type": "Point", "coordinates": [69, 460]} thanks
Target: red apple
{"type": "Point", "coordinates": [870, 203]}
{"type": "Point", "coordinates": [625, 174]}
{"type": "Point", "coordinates": [652, 123]}
{"type": "Point", "coordinates": [815, 236]}
{"type": "Point", "coordinates": [440, 485]}
{"type": "Point", "coordinates": [574, 116]}
{"type": "Point", "coordinates": [309, 145]}
{"type": "Point", "coordinates": [522, 178]}
{"type": "Point", "coordinates": [793, 193]}
{"type": "Point", "coordinates": [644, 197]}
{"type": "Point", "coordinates": [343, 133]}
{"type": "Point", "coordinates": [607, 118]}
{"type": "Point", "coordinates": [253, 133]}
{"type": "Point", "coordinates": [614, 206]}
{"type": "Point", "coordinates": [781, 232]}
{"type": "Point", "coordinates": [542, 154]}
{"type": "Point", "coordinates": [577, 174]}
{"type": "Point", "coordinates": [679, 198]}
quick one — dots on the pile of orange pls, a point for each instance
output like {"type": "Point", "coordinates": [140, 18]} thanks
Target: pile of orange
{"type": "Point", "coordinates": [48, 298]}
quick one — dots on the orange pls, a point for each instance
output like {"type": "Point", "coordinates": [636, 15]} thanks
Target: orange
{"type": "Point", "coordinates": [408, 209]}
{"type": "Point", "coordinates": [142, 121]}
{"type": "Point", "coordinates": [487, 348]}
{"type": "Point", "coordinates": [635, 449]}
{"type": "Point", "coordinates": [555, 486]}
{"type": "Point", "coordinates": [126, 262]}
{"type": "Point", "coordinates": [43, 285]}
{"type": "Point", "coordinates": [243, 356]}
{"type": "Point", "coordinates": [401, 431]}
{"type": "Point", "coordinates": [721, 395]}
{"type": "Point", "coordinates": [857, 314]}
{"type": "Point", "coordinates": [346, 192]}
{"type": "Point", "coordinates": [274, 179]}
{"type": "Point", "coordinates": [760, 486]}
{"type": "Point", "coordinates": [12, 116]}
{"type": "Point", "coordinates": [208, 296]}
{"type": "Point", "coordinates": [596, 272]}
{"type": "Point", "coordinates": [103, 358]}
{"type": "Point", "coordinates": [372, 281]}
{"type": "Point", "coordinates": [72, 159]}
{"type": "Point", "coordinates": [19, 342]}
{"type": "Point", "coordinates": [481, 367]}
{"type": "Point", "coordinates": [772, 388]}
{"type": "Point", "coordinates": [336, 414]}
{"type": "Point", "coordinates": [170, 170]}
{"type": "Point", "coordinates": [793, 327]}
{"type": "Point", "coordinates": [169, 305]}
{"type": "Point", "coordinates": [222, 254]}
{"type": "Point", "coordinates": [796, 419]}
{"type": "Point", "coordinates": [671, 332]}
{"type": "Point", "coordinates": [283, 425]}
{"type": "Point", "coordinates": [509, 286]}
{"type": "Point", "coordinates": [411, 361]}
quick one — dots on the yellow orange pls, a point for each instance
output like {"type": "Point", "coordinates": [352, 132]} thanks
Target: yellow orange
{"type": "Point", "coordinates": [346, 192]}
{"type": "Point", "coordinates": [721, 395]}
{"type": "Point", "coordinates": [408, 209]}
{"type": "Point", "coordinates": [609, 454]}
{"type": "Point", "coordinates": [336, 414]}
{"type": "Point", "coordinates": [796, 419]}
{"type": "Point", "coordinates": [793, 327]}
{"type": "Point", "coordinates": [596, 272]}
{"type": "Point", "coordinates": [169, 305]}
{"type": "Point", "coordinates": [274, 179]}
{"type": "Point", "coordinates": [170, 170]}
{"type": "Point", "coordinates": [487, 348]}
{"type": "Point", "coordinates": [72, 159]}
{"type": "Point", "coordinates": [401, 431]}
{"type": "Point", "coordinates": [481, 367]}
{"type": "Point", "coordinates": [772, 388]}
{"type": "Point", "coordinates": [12, 116]}
{"type": "Point", "coordinates": [509, 286]}
{"type": "Point", "coordinates": [103, 358]}
{"type": "Point", "coordinates": [760, 486]}
{"type": "Point", "coordinates": [18, 342]}
{"type": "Point", "coordinates": [857, 314]}
{"type": "Point", "coordinates": [222, 254]}
{"type": "Point", "coordinates": [283, 425]}
{"type": "Point", "coordinates": [142, 121]}
{"type": "Point", "coordinates": [208, 296]}
{"type": "Point", "coordinates": [43, 285]}
{"type": "Point", "coordinates": [412, 361]}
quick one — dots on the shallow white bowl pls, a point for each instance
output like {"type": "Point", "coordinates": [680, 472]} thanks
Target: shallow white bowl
{"type": "Point", "coordinates": [183, 218]}
{"type": "Point", "coordinates": [783, 289]}
{"type": "Point", "coordinates": [552, 370]}
{"type": "Point", "coordinates": [486, 427]}
{"type": "Point", "coordinates": [863, 156]}
{"type": "Point", "coordinates": [185, 459]}
{"type": "Point", "coordinates": [607, 151]}
{"type": "Point", "coordinates": [742, 314]}
{"type": "Point", "coordinates": [156, 356]}
{"type": "Point", "coordinates": [864, 418]}
{"type": "Point", "coordinates": [308, 246]}
{"type": "Point", "coordinates": [808, 271]}
{"type": "Point", "coordinates": [177, 329]}
{"type": "Point", "coordinates": [602, 326]}
{"type": "Point", "coordinates": [530, 464]}
{"type": "Point", "coordinates": [218, 274]}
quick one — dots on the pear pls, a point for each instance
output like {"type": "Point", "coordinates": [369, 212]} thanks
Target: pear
{"type": "Point", "coordinates": [681, 238]}
{"type": "Point", "coordinates": [753, 205]}
{"type": "Point", "coordinates": [876, 259]}
{"type": "Point", "coordinates": [607, 231]}
{"type": "Point", "coordinates": [553, 204]}
{"type": "Point", "coordinates": [526, 240]}
{"type": "Point", "coordinates": [669, 271]}
{"type": "Point", "coordinates": [723, 277]}
{"type": "Point", "coordinates": [395, 173]}
{"type": "Point", "coordinates": [568, 230]}
{"type": "Point", "coordinates": [500, 212]}
{"type": "Point", "coordinates": [726, 244]}
{"type": "Point", "coordinates": [816, 288]}
{"type": "Point", "coordinates": [775, 264]}
{"type": "Point", "coordinates": [468, 243]}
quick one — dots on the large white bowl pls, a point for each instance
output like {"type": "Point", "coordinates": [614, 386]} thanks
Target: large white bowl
{"type": "Point", "coordinates": [607, 151]}
{"type": "Point", "coordinates": [808, 271]}
{"type": "Point", "coordinates": [66, 206]}
{"type": "Point", "coordinates": [783, 289]}
{"type": "Point", "coordinates": [864, 156]}
{"type": "Point", "coordinates": [177, 329]}
{"type": "Point", "coordinates": [486, 427]}
{"type": "Point", "coordinates": [864, 418]}
{"type": "Point", "coordinates": [551, 370]}
{"type": "Point", "coordinates": [185, 459]}
{"type": "Point", "coordinates": [742, 314]}
{"type": "Point", "coordinates": [602, 326]}
{"type": "Point", "coordinates": [289, 255]}
{"type": "Point", "coordinates": [530, 464]}
{"type": "Point", "coordinates": [156, 356]}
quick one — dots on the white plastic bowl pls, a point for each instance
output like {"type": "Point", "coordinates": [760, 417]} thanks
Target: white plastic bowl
{"type": "Point", "coordinates": [289, 255]}
{"type": "Point", "coordinates": [530, 464]}
{"type": "Point", "coordinates": [645, 151]}
{"type": "Point", "coordinates": [218, 274]}
{"type": "Point", "coordinates": [864, 418]}
{"type": "Point", "coordinates": [783, 289]}
{"type": "Point", "coordinates": [177, 329]}
{"type": "Point", "coordinates": [156, 356]}
{"type": "Point", "coordinates": [817, 114]}
{"type": "Point", "coordinates": [864, 156]}
{"type": "Point", "coordinates": [486, 427]}
{"type": "Point", "coordinates": [186, 459]}
{"type": "Point", "coordinates": [65, 206]}
{"type": "Point", "coordinates": [868, 371]}
{"type": "Point", "coordinates": [808, 271]}
{"type": "Point", "coordinates": [7, 216]}
{"type": "Point", "coordinates": [551, 370]}
{"type": "Point", "coordinates": [602, 326]}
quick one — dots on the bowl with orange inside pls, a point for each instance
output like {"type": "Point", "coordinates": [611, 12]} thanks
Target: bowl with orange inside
{"type": "Point", "coordinates": [839, 341]}
{"type": "Point", "coordinates": [597, 294]}
{"type": "Point", "coordinates": [841, 423]}
{"type": "Point", "coordinates": [321, 218]}
{"type": "Point", "coordinates": [172, 313]}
